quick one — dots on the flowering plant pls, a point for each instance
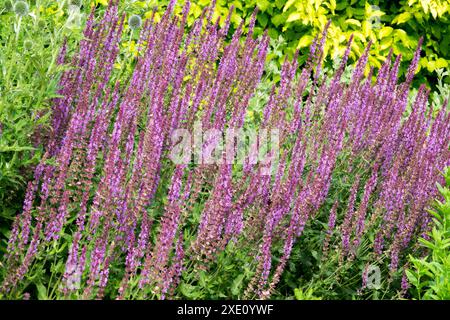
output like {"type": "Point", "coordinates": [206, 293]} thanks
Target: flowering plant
{"type": "Point", "coordinates": [109, 214]}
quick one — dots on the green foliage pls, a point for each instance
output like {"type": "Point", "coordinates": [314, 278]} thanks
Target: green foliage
{"type": "Point", "coordinates": [438, 96]}
{"type": "Point", "coordinates": [389, 25]}
{"type": "Point", "coordinates": [227, 279]}
{"type": "Point", "coordinates": [430, 275]}
{"type": "Point", "coordinates": [305, 295]}
{"type": "Point", "coordinates": [29, 46]}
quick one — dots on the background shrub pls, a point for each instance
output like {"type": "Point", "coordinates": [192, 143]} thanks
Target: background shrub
{"type": "Point", "coordinates": [396, 25]}
{"type": "Point", "coordinates": [30, 43]}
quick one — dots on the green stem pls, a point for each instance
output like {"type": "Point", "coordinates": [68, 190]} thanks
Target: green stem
{"type": "Point", "coordinates": [18, 28]}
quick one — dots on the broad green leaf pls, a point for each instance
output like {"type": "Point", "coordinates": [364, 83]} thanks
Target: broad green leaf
{"type": "Point", "coordinates": [263, 19]}
{"type": "Point", "coordinates": [431, 66]}
{"type": "Point", "coordinates": [402, 18]}
{"type": "Point", "coordinates": [353, 22]}
{"type": "Point", "coordinates": [238, 5]}
{"type": "Point", "coordinates": [402, 35]}
{"type": "Point", "coordinates": [279, 3]}
{"type": "Point", "coordinates": [293, 17]}
{"type": "Point", "coordinates": [385, 31]}
{"type": "Point", "coordinates": [441, 63]}
{"type": "Point", "coordinates": [42, 291]}
{"type": "Point", "coordinates": [288, 5]}
{"type": "Point", "coordinates": [237, 283]}
{"type": "Point", "coordinates": [263, 4]}
{"type": "Point", "coordinates": [278, 19]}
{"type": "Point", "coordinates": [434, 12]}
{"type": "Point", "coordinates": [385, 43]}
{"type": "Point", "coordinates": [188, 290]}
{"type": "Point", "coordinates": [305, 41]}
{"type": "Point", "coordinates": [366, 27]}
{"type": "Point", "coordinates": [332, 5]}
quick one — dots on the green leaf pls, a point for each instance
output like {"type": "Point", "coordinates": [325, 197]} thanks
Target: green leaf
{"type": "Point", "coordinates": [305, 41]}
{"type": "Point", "coordinates": [298, 294]}
{"type": "Point", "coordinates": [42, 291]}
{"type": "Point", "coordinates": [441, 63]}
{"type": "Point", "coordinates": [366, 28]}
{"type": "Point", "coordinates": [331, 5]}
{"type": "Point", "coordinates": [288, 5]}
{"type": "Point", "coordinates": [385, 43]}
{"type": "Point", "coordinates": [402, 18]}
{"type": "Point", "coordinates": [353, 22]}
{"type": "Point", "coordinates": [293, 17]}
{"type": "Point", "coordinates": [278, 19]}
{"type": "Point", "coordinates": [262, 4]}
{"type": "Point", "coordinates": [203, 279]}
{"type": "Point", "coordinates": [279, 3]}
{"type": "Point", "coordinates": [15, 148]}
{"type": "Point", "coordinates": [434, 12]}
{"type": "Point", "coordinates": [237, 284]}
{"type": "Point", "coordinates": [427, 243]}
{"type": "Point", "coordinates": [188, 290]}
{"type": "Point", "coordinates": [385, 31]}
{"type": "Point", "coordinates": [411, 276]}
{"type": "Point", "coordinates": [402, 35]}
{"type": "Point", "coordinates": [263, 19]}
{"type": "Point", "coordinates": [431, 66]}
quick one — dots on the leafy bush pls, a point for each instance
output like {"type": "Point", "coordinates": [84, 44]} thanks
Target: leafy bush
{"type": "Point", "coordinates": [389, 25]}
{"type": "Point", "coordinates": [111, 214]}
{"type": "Point", "coordinates": [429, 276]}
{"type": "Point", "coordinates": [30, 40]}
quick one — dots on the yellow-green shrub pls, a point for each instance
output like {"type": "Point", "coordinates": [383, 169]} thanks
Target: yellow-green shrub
{"type": "Point", "coordinates": [388, 24]}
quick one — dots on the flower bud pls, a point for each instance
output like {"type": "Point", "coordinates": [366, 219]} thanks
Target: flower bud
{"type": "Point", "coordinates": [28, 45]}
{"type": "Point", "coordinates": [135, 22]}
{"type": "Point", "coordinates": [21, 8]}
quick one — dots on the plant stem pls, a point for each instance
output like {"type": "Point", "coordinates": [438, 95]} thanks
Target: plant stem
{"type": "Point", "coordinates": [18, 28]}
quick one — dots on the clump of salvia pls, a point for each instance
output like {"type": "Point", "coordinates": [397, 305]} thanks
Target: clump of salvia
{"type": "Point", "coordinates": [109, 150]}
